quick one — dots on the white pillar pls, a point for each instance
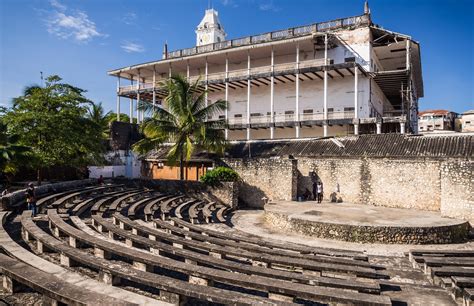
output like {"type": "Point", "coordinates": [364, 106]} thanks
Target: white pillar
{"type": "Point", "coordinates": [297, 106]}
{"type": "Point", "coordinates": [131, 101]}
{"type": "Point", "coordinates": [138, 97]}
{"type": "Point", "coordinates": [325, 91]}
{"type": "Point", "coordinates": [187, 69]}
{"type": "Point", "coordinates": [154, 88]}
{"type": "Point", "coordinates": [248, 94]}
{"type": "Point", "coordinates": [226, 94]}
{"type": "Point", "coordinates": [408, 54]}
{"type": "Point", "coordinates": [272, 96]}
{"type": "Point", "coordinates": [402, 127]}
{"type": "Point", "coordinates": [118, 97]}
{"type": "Point", "coordinates": [356, 99]}
{"type": "Point", "coordinates": [205, 79]}
{"type": "Point", "coordinates": [379, 127]}
{"type": "Point", "coordinates": [169, 71]}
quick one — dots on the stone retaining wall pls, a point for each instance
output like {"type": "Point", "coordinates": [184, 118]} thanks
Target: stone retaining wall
{"type": "Point", "coordinates": [370, 234]}
{"type": "Point", "coordinates": [15, 199]}
{"type": "Point", "coordinates": [273, 178]}
{"type": "Point", "coordinates": [442, 185]}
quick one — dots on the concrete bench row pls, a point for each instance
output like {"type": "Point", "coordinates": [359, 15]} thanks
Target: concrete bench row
{"type": "Point", "coordinates": [207, 276]}
{"type": "Point", "coordinates": [451, 269]}
{"type": "Point", "coordinates": [260, 264]}
{"type": "Point", "coordinates": [171, 290]}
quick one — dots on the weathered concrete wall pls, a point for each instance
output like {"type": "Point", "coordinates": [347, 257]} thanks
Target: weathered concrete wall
{"type": "Point", "coordinates": [457, 192]}
{"type": "Point", "coordinates": [273, 178]}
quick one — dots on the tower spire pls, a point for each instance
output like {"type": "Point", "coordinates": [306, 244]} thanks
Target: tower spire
{"type": "Point", "coordinates": [366, 8]}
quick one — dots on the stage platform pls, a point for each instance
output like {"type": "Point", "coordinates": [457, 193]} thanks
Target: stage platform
{"type": "Point", "coordinates": [364, 223]}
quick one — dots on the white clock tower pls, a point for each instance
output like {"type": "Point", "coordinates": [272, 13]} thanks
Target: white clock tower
{"type": "Point", "coordinates": [210, 29]}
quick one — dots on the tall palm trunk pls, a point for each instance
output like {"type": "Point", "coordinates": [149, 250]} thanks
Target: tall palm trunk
{"type": "Point", "coordinates": [181, 166]}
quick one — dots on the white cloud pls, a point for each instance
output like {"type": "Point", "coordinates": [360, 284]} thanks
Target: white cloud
{"type": "Point", "coordinates": [129, 18]}
{"type": "Point", "coordinates": [56, 4]}
{"type": "Point", "coordinates": [268, 6]}
{"type": "Point", "coordinates": [76, 26]}
{"type": "Point", "coordinates": [131, 47]}
{"type": "Point", "coordinates": [230, 3]}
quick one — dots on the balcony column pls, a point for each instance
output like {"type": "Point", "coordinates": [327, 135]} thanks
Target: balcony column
{"type": "Point", "coordinates": [402, 127]}
{"type": "Point", "coordinates": [272, 95]}
{"type": "Point", "coordinates": [206, 75]}
{"type": "Point", "coordinates": [379, 127]}
{"type": "Point", "coordinates": [118, 97]}
{"type": "Point", "coordinates": [297, 81]}
{"type": "Point", "coordinates": [138, 98]}
{"type": "Point", "coordinates": [187, 69]}
{"type": "Point", "coordinates": [325, 91]}
{"type": "Point", "coordinates": [356, 100]}
{"type": "Point", "coordinates": [226, 94]}
{"type": "Point", "coordinates": [154, 88]}
{"type": "Point", "coordinates": [248, 94]}
{"type": "Point", "coordinates": [408, 54]}
{"type": "Point", "coordinates": [131, 101]}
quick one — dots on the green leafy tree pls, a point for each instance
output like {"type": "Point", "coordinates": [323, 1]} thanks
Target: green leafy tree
{"type": "Point", "coordinates": [53, 121]}
{"type": "Point", "coordinates": [183, 122]}
{"type": "Point", "coordinates": [111, 117]}
{"type": "Point", "coordinates": [12, 154]}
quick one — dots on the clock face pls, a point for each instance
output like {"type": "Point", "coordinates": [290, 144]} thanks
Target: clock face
{"type": "Point", "coordinates": [205, 38]}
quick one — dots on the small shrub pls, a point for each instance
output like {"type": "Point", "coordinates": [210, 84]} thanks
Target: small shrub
{"type": "Point", "coordinates": [219, 174]}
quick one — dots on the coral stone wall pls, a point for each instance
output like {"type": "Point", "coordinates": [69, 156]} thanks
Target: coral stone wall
{"type": "Point", "coordinates": [442, 185]}
{"type": "Point", "coordinates": [273, 178]}
{"type": "Point", "coordinates": [381, 182]}
{"type": "Point", "coordinates": [457, 197]}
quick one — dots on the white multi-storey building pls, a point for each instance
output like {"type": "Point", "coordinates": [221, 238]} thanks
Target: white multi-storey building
{"type": "Point", "coordinates": [341, 77]}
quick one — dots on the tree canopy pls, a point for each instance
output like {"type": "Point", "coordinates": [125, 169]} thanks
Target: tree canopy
{"type": "Point", "coordinates": [53, 121]}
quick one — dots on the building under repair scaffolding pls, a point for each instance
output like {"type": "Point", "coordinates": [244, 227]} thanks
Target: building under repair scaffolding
{"type": "Point", "coordinates": [341, 77]}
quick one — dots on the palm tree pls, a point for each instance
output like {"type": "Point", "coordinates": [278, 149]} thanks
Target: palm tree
{"type": "Point", "coordinates": [184, 123]}
{"type": "Point", "coordinates": [101, 120]}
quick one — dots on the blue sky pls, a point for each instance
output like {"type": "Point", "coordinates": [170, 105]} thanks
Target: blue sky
{"type": "Point", "coordinates": [82, 40]}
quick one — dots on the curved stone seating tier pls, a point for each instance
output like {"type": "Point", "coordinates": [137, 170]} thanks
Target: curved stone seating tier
{"type": "Point", "coordinates": [453, 270]}
{"type": "Point", "coordinates": [269, 244]}
{"type": "Point", "coordinates": [100, 205]}
{"type": "Point", "coordinates": [75, 195]}
{"type": "Point", "coordinates": [207, 211]}
{"type": "Point", "coordinates": [13, 249]}
{"type": "Point", "coordinates": [53, 288]}
{"type": "Point", "coordinates": [167, 206]}
{"type": "Point", "coordinates": [205, 275]}
{"type": "Point", "coordinates": [260, 262]}
{"type": "Point", "coordinates": [135, 207]}
{"type": "Point", "coordinates": [117, 202]}
{"type": "Point", "coordinates": [171, 290]}
{"type": "Point", "coordinates": [46, 200]}
{"type": "Point", "coordinates": [86, 204]}
{"type": "Point", "coordinates": [182, 210]}
{"type": "Point", "coordinates": [153, 206]}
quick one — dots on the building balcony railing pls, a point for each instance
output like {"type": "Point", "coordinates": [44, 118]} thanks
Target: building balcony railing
{"type": "Point", "coordinates": [273, 36]}
{"type": "Point", "coordinates": [235, 73]}
{"type": "Point", "coordinates": [266, 119]}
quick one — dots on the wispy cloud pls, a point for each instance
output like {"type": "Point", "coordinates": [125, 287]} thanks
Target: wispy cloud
{"type": "Point", "coordinates": [129, 18]}
{"type": "Point", "coordinates": [76, 26]}
{"type": "Point", "coordinates": [269, 6]}
{"type": "Point", "coordinates": [230, 3]}
{"type": "Point", "coordinates": [131, 47]}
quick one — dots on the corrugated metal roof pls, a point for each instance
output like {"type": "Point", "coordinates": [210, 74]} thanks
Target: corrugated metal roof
{"type": "Point", "coordinates": [385, 145]}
